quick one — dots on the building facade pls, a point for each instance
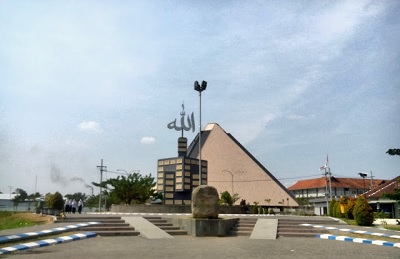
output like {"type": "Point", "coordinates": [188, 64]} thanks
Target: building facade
{"type": "Point", "coordinates": [318, 191]}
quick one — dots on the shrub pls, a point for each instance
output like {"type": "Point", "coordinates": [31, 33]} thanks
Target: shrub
{"type": "Point", "coordinates": [363, 213]}
{"type": "Point", "coordinates": [349, 208]}
{"type": "Point", "coordinates": [55, 201]}
{"type": "Point", "coordinates": [272, 212]}
{"type": "Point", "coordinates": [332, 205]}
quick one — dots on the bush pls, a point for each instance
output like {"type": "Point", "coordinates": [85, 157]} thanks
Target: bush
{"type": "Point", "coordinates": [349, 208]}
{"type": "Point", "coordinates": [55, 201]}
{"type": "Point", "coordinates": [272, 212]}
{"type": "Point", "coordinates": [363, 213]}
{"type": "Point", "coordinates": [332, 205]}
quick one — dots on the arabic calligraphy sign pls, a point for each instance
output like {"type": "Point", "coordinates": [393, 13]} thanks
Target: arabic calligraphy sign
{"type": "Point", "coordinates": [183, 127]}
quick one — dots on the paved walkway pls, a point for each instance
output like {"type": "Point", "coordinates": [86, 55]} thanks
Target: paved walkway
{"type": "Point", "coordinates": [198, 247]}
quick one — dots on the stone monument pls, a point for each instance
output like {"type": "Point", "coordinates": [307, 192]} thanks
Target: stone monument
{"type": "Point", "coordinates": [205, 202]}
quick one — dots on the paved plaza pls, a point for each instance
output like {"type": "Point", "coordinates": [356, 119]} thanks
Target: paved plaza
{"type": "Point", "coordinates": [199, 247]}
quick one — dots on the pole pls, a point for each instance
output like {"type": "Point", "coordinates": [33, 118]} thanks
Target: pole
{"type": "Point", "coordinates": [102, 168]}
{"type": "Point", "coordinates": [200, 142]}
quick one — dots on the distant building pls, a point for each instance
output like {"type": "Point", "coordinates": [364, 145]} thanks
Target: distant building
{"type": "Point", "coordinates": [379, 203]}
{"type": "Point", "coordinates": [316, 190]}
{"type": "Point", "coordinates": [6, 203]}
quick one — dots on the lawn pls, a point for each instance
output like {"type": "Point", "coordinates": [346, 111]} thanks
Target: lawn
{"type": "Point", "coordinates": [11, 219]}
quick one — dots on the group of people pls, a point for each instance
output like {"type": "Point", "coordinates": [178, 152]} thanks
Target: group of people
{"type": "Point", "coordinates": [71, 205]}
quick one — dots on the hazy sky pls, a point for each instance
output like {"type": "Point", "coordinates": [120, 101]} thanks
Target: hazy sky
{"type": "Point", "coordinates": [292, 81]}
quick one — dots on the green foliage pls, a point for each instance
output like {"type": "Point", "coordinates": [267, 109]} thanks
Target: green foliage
{"type": "Point", "coordinates": [302, 201]}
{"type": "Point", "coordinates": [55, 201]}
{"type": "Point", "coordinates": [348, 214]}
{"type": "Point", "coordinates": [336, 211]}
{"type": "Point", "coordinates": [76, 196]}
{"type": "Point", "coordinates": [332, 205]}
{"type": "Point", "coordinates": [272, 212]}
{"type": "Point", "coordinates": [362, 212]}
{"type": "Point", "coordinates": [228, 200]}
{"type": "Point", "coordinates": [255, 207]}
{"type": "Point", "coordinates": [393, 152]}
{"type": "Point", "coordinates": [21, 197]}
{"type": "Point", "coordinates": [131, 189]}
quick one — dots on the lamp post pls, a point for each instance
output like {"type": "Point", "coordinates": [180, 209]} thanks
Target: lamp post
{"type": "Point", "coordinates": [232, 178]}
{"type": "Point", "coordinates": [363, 175]}
{"type": "Point", "coordinates": [200, 88]}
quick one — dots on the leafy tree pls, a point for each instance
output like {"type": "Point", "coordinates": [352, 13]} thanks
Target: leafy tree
{"type": "Point", "coordinates": [55, 201]}
{"type": "Point", "coordinates": [228, 199]}
{"type": "Point", "coordinates": [302, 201]}
{"type": "Point", "coordinates": [32, 198]}
{"type": "Point", "coordinates": [133, 188]}
{"type": "Point", "coordinates": [92, 201]}
{"type": "Point", "coordinates": [76, 196]}
{"type": "Point", "coordinates": [393, 152]}
{"type": "Point", "coordinates": [21, 197]}
{"type": "Point", "coordinates": [362, 212]}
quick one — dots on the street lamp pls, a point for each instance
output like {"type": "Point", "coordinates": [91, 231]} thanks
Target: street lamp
{"type": "Point", "coordinates": [200, 88]}
{"type": "Point", "coordinates": [363, 175]}
{"type": "Point", "coordinates": [232, 178]}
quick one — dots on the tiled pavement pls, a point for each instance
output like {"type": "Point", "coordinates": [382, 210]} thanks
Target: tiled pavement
{"type": "Point", "coordinates": [183, 247]}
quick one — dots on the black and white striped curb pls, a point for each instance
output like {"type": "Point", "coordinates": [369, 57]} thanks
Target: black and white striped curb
{"type": "Point", "coordinates": [356, 240]}
{"type": "Point", "coordinates": [16, 237]}
{"type": "Point", "coordinates": [47, 242]}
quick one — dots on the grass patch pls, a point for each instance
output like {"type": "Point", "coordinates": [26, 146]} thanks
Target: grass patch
{"type": "Point", "coordinates": [12, 219]}
{"type": "Point", "coordinates": [391, 227]}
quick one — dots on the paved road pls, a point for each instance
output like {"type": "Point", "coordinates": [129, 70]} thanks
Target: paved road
{"type": "Point", "coordinates": [204, 248]}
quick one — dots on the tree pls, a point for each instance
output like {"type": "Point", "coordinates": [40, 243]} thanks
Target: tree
{"type": "Point", "coordinates": [228, 199]}
{"type": "Point", "coordinates": [55, 201]}
{"type": "Point", "coordinates": [362, 212]}
{"type": "Point", "coordinates": [133, 188]}
{"type": "Point", "coordinates": [21, 197]}
{"type": "Point", "coordinates": [76, 196]}
{"type": "Point", "coordinates": [393, 152]}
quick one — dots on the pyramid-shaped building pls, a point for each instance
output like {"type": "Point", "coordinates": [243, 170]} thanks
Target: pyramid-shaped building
{"type": "Point", "coordinates": [232, 168]}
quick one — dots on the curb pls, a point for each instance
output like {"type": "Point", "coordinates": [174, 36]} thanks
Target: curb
{"type": "Point", "coordinates": [10, 238]}
{"type": "Point", "coordinates": [47, 242]}
{"type": "Point", "coordinates": [358, 240]}
{"type": "Point", "coordinates": [363, 232]}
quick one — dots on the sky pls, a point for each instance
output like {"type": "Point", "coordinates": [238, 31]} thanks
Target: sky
{"type": "Point", "coordinates": [294, 82]}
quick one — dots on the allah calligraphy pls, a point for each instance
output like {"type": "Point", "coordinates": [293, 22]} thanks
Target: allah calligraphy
{"type": "Point", "coordinates": [183, 126]}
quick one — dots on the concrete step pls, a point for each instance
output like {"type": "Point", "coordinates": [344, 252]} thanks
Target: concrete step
{"type": "Point", "coordinates": [295, 234]}
{"type": "Point", "coordinates": [166, 226]}
{"type": "Point", "coordinates": [118, 233]}
{"type": "Point", "coordinates": [106, 228]}
{"type": "Point", "coordinates": [177, 232]}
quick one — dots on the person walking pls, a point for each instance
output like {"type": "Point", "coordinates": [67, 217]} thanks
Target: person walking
{"type": "Point", "coordinates": [80, 206]}
{"type": "Point", "coordinates": [73, 205]}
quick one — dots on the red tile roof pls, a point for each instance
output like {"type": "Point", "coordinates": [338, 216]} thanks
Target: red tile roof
{"type": "Point", "coordinates": [387, 187]}
{"type": "Point", "coordinates": [354, 183]}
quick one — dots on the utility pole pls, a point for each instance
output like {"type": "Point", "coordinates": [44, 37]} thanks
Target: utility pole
{"type": "Point", "coordinates": [372, 182]}
{"type": "Point", "coordinates": [102, 168]}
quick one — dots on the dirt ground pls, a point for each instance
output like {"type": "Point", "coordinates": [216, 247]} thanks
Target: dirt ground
{"type": "Point", "coordinates": [37, 218]}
